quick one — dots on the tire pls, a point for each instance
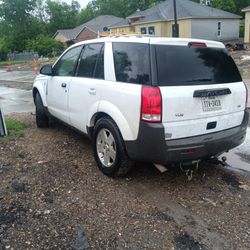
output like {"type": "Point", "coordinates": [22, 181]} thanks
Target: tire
{"type": "Point", "coordinates": [42, 120]}
{"type": "Point", "coordinates": [109, 149]}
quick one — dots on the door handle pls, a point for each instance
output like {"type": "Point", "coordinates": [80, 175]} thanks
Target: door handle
{"type": "Point", "coordinates": [92, 91]}
{"type": "Point", "coordinates": [63, 85]}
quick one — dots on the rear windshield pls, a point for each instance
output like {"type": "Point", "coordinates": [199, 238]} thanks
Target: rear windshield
{"type": "Point", "coordinates": [183, 65]}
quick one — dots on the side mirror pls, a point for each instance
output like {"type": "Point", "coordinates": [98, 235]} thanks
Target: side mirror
{"type": "Point", "coordinates": [46, 70]}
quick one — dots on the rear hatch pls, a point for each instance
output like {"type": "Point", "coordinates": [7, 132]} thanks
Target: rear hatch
{"type": "Point", "coordinates": [202, 90]}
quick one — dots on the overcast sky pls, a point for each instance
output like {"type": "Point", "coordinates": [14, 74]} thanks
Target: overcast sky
{"type": "Point", "coordinates": [83, 3]}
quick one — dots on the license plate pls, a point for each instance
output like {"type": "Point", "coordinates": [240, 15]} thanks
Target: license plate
{"type": "Point", "coordinates": [211, 103]}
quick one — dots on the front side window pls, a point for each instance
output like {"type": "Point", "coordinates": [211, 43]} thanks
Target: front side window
{"type": "Point", "coordinates": [131, 62]}
{"type": "Point", "coordinates": [67, 63]}
{"type": "Point", "coordinates": [90, 60]}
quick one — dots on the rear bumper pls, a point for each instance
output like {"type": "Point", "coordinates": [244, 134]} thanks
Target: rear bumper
{"type": "Point", "coordinates": [151, 145]}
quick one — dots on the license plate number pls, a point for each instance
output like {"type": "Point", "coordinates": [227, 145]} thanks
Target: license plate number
{"type": "Point", "coordinates": [211, 103]}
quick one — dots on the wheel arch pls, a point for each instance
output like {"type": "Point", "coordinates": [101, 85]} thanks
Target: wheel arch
{"type": "Point", "coordinates": [111, 111]}
{"type": "Point", "coordinates": [37, 89]}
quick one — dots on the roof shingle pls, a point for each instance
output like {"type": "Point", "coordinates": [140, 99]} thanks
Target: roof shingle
{"type": "Point", "coordinates": [96, 24]}
{"type": "Point", "coordinates": [185, 9]}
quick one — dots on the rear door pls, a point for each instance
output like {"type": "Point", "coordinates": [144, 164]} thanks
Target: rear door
{"type": "Point", "coordinates": [202, 90]}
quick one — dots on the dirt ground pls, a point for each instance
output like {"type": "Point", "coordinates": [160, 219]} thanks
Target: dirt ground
{"type": "Point", "coordinates": [52, 196]}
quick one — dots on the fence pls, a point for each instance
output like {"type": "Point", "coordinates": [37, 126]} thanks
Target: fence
{"type": "Point", "coordinates": [23, 56]}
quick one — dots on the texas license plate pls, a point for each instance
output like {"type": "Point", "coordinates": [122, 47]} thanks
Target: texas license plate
{"type": "Point", "coordinates": [211, 103]}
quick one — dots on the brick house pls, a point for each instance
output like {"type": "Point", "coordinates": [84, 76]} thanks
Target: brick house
{"type": "Point", "coordinates": [86, 31]}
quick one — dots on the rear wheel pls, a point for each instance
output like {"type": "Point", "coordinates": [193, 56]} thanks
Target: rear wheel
{"type": "Point", "coordinates": [42, 120]}
{"type": "Point", "coordinates": [109, 149]}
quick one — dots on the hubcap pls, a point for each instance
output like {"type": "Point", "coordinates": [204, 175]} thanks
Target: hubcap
{"type": "Point", "coordinates": [106, 147]}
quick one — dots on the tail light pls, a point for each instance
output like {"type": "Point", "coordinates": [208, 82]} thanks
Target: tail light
{"type": "Point", "coordinates": [151, 104]}
{"type": "Point", "coordinates": [246, 95]}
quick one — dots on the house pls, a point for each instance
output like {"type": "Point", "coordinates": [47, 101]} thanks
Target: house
{"type": "Point", "coordinates": [195, 21]}
{"type": "Point", "coordinates": [89, 30]}
{"type": "Point", "coordinates": [247, 24]}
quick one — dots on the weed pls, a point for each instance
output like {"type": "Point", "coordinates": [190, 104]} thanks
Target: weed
{"type": "Point", "coordinates": [15, 129]}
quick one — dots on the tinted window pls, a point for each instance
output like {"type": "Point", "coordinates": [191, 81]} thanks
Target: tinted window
{"type": "Point", "coordinates": [66, 65]}
{"type": "Point", "coordinates": [183, 65]}
{"type": "Point", "coordinates": [99, 69]}
{"type": "Point", "coordinates": [131, 62]}
{"type": "Point", "coordinates": [88, 60]}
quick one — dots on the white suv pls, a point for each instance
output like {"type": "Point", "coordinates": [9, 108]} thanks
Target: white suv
{"type": "Point", "coordinates": [158, 100]}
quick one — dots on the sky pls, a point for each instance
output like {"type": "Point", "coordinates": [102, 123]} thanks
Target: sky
{"type": "Point", "coordinates": [83, 3]}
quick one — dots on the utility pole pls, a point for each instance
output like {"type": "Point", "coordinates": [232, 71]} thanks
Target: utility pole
{"type": "Point", "coordinates": [175, 26]}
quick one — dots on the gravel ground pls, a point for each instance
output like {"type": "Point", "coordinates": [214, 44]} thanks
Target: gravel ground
{"type": "Point", "coordinates": [52, 196]}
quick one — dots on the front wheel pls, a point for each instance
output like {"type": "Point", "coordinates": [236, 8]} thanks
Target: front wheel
{"type": "Point", "coordinates": [109, 149]}
{"type": "Point", "coordinates": [42, 120]}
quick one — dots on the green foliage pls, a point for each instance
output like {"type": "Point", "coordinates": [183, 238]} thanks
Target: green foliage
{"type": "Point", "coordinates": [15, 129]}
{"type": "Point", "coordinates": [44, 45]}
{"type": "Point", "coordinates": [227, 5]}
{"type": "Point", "coordinates": [242, 31]}
{"type": "Point", "coordinates": [116, 7]}
{"type": "Point", "coordinates": [241, 4]}
{"type": "Point", "coordinates": [3, 45]}
{"type": "Point", "coordinates": [28, 24]}
{"type": "Point", "coordinates": [61, 15]}
{"type": "Point", "coordinates": [85, 15]}
{"type": "Point", "coordinates": [3, 49]}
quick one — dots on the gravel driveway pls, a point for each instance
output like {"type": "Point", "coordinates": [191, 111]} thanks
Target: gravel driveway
{"type": "Point", "coordinates": [52, 196]}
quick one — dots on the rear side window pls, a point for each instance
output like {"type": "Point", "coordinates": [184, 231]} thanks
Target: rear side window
{"type": "Point", "coordinates": [183, 65]}
{"type": "Point", "coordinates": [131, 62]}
{"type": "Point", "coordinates": [90, 59]}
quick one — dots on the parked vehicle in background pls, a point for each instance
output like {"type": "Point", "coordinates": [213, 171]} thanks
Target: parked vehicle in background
{"type": "Point", "coordinates": [158, 100]}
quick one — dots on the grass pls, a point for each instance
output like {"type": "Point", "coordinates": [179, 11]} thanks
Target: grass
{"type": "Point", "coordinates": [15, 129]}
{"type": "Point", "coordinates": [6, 63]}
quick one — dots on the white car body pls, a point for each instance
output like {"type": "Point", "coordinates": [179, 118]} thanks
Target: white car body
{"type": "Point", "coordinates": [82, 99]}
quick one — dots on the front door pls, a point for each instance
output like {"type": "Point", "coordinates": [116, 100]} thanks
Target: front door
{"type": "Point", "coordinates": [58, 85]}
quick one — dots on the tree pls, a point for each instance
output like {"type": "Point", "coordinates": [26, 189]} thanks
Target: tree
{"type": "Point", "coordinates": [227, 5]}
{"type": "Point", "coordinates": [17, 16]}
{"type": "Point", "coordinates": [121, 8]}
{"type": "Point", "coordinates": [241, 4]}
{"type": "Point", "coordinates": [61, 15]}
{"type": "Point", "coordinates": [85, 15]}
{"type": "Point", "coordinates": [44, 45]}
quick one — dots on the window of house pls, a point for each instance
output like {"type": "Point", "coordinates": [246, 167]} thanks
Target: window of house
{"type": "Point", "coordinates": [131, 62]}
{"type": "Point", "coordinates": [91, 59]}
{"type": "Point", "coordinates": [67, 63]}
{"type": "Point", "coordinates": [148, 30]}
{"type": "Point", "coordinates": [144, 30]}
{"type": "Point", "coordinates": [219, 29]}
{"type": "Point", "coordinates": [151, 30]}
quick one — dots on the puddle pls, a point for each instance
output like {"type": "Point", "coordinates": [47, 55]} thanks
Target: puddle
{"type": "Point", "coordinates": [187, 242]}
{"type": "Point", "coordinates": [15, 100]}
{"type": "Point", "coordinates": [17, 76]}
{"type": "Point", "coordinates": [240, 157]}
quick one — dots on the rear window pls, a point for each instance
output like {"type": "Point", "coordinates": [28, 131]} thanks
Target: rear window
{"type": "Point", "coordinates": [131, 62]}
{"type": "Point", "coordinates": [183, 65]}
